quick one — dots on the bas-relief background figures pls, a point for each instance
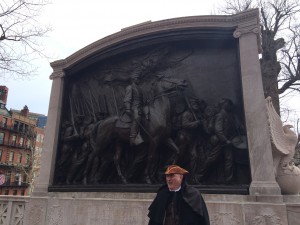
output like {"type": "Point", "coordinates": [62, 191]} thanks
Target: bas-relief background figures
{"type": "Point", "coordinates": [125, 118]}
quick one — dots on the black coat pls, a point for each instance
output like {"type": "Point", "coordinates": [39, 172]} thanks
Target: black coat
{"type": "Point", "coordinates": [192, 208]}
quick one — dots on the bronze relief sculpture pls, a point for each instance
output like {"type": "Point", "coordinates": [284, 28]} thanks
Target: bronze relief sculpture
{"type": "Point", "coordinates": [126, 118]}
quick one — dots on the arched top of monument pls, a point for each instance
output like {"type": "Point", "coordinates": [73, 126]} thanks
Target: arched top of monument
{"type": "Point", "coordinates": [217, 25]}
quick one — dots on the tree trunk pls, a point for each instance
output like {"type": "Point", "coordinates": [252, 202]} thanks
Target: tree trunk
{"type": "Point", "coordinates": [270, 67]}
{"type": "Point", "coordinates": [270, 71]}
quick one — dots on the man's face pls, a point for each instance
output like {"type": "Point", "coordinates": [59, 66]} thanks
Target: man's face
{"type": "Point", "coordinates": [136, 80]}
{"type": "Point", "coordinates": [195, 106]}
{"type": "Point", "coordinates": [174, 181]}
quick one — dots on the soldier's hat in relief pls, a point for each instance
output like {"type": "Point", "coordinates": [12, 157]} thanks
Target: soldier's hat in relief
{"type": "Point", "coordinates": [175, 169]}
{"type": "Point", "coordinates": [194, 100]}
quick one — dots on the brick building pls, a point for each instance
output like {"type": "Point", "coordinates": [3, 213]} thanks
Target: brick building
{"type": "Point", "coordinates": [20, 146]}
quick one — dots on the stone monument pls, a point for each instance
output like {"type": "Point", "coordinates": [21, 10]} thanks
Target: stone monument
{"type": "Point", "coordinates": [186, 91]}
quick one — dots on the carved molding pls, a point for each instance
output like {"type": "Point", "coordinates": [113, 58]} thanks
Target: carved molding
{"type": "Point", "coordinates": [3, 213]}
{"type": "Point", "coordinates": [12, 212]}
{"type": "Point", "coordinates": [266, 219]}
{"type": "Point", "coordinates": [240, 31]}
{"type": "Point", "coordinates": [57, 74]}
{"type": "Point", "coordinates": [18, 214]}
{"type": "Point", "coordinates": [249, 17]}
{"type": "Point", "coordinates": [224, 218]}
{"type": "Point", "coordinates": [245, 30]}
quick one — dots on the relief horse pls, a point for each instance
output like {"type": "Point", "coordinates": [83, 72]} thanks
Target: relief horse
{"type": "Point", "coordinates": [157, 129]}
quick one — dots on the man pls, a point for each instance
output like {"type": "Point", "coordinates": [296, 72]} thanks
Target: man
{"type": "Point", "coordinates": [133, 102]}
{"type": "Point", "coordinates": [176, 203]}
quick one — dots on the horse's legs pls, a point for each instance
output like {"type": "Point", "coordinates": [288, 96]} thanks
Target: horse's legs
{"type": "Point", "coordinates": [117, 157]}
{"type": "Point", "coordinates": [103, 169]}
{"type": "Point", "coordinates": [139, 159]}
{"type": "Point", "coordinates": [90, 164]}
{"type": "Point", "coordinates": [149, 170]}
{"type": "Point", "coordinates": [95, 156]}
{"type": "Point", "coordinates": [175, 151]}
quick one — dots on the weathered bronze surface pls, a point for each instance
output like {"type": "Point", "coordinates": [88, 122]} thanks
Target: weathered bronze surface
{"type": "Point", "coordinates": [131, 112]}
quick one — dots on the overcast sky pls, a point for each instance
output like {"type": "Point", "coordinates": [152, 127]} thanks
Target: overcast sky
{"type": "Point", "coordinates": [76, 24]}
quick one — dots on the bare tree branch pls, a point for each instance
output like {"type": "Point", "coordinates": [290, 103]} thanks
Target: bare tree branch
{"type": "Point", "coordinates": [280, 61]}
{"type": "Point", "coordinates": [20, 37]}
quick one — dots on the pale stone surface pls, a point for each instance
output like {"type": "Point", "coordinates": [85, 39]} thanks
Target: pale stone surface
{"type": "Point", "coordinates": [129, 208]}
{"type": "Point", "coordinates": [263, 178]}
{"type": "Point", "coordinates": [263, 213]}
{"type": "Point", "coordinates": [289, 183]}
{"type": "Point", "coordinates": [51, 136]}
{"type": "Point", "coordinates": [293, 213]}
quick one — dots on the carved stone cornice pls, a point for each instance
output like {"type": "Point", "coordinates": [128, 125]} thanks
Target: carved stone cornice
{"type": "Point", "coordinates": [246, 30]}
{"type": "Point", "coordinates": [243, 19]}
{"type": "Point", "coordinates": [254, 29]}
{"type": "Point", "coordinates": [58, 68]}
{"type": "Point", "coordinates": [57, 74]}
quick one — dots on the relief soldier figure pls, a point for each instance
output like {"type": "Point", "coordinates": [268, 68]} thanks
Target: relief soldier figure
{"type": "Point", "coordinates": [223, 131]}
{"type": "Point", "coordinates": [65, 158]}
{"type": "Point", "coordinates": [133, 102]}
{"type": "Point", "coordinates": [77, 172]}
{"type": "Point", "coordinates": [71, 146]}
{"type": "Point", "coordinates": [187, 135]}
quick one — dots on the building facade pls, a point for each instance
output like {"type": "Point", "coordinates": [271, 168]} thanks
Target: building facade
{"type": "Point", "coordinates": [19, 138]}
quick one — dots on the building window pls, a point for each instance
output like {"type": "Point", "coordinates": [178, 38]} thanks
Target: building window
{"type": "Point", "coordinates": [21, 142]}
{"type": "Point", "coordinates": [7, 178]}
{"type": "Point", "coordinates": [11, 156]}
{"type": "Point", "coordinates": [25, 127]}
{"type": "Point", "coordinates": [28, 143]}
{"type": "Point", "coordinates": [13, 140]}
{"type": "Point", "coordinates": [19, 158]}
{"type": "Point", "coordinates": [23, 192]}
{"type": "Point", "coordinates": [24, 178]}
{"type": "Point", "coordinates": [0, 154]}
{"type": "Point", "coordinates": [21, 126]}
{"type": "Point", "coordinates": [15, 192]}
{"type": "Point", "coordinates": [18, 179]}
{"type": "Point", "coordinates": [2, 138]}
{"type": "Point", "coordinates": [27, 158]}
{"type": "Point", "coordinates": [16, 125]}
{"type": "Point", "coordinates": [4, 122]}
{"type": "Point", "coordinates": [6, 192]}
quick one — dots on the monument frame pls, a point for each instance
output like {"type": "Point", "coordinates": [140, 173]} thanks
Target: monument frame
{"type": "Point", "coordinates": [244, 26]}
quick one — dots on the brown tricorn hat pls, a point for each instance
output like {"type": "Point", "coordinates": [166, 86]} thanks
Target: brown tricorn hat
{"type": "Point", "coordinates": [175, 169]}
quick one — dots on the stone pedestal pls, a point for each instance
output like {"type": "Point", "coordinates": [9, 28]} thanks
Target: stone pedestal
{"type": "Point", "coordinates": [132, 208]}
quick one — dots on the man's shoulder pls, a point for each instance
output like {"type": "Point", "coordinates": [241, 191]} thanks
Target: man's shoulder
{"type": "Point", "coordinates": [192, 190]}
{"type": "Point", "coordinates": [191, 193]}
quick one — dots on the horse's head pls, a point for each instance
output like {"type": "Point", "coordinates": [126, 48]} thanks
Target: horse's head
{"type": "Point", "coordinates": [167, 84]}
